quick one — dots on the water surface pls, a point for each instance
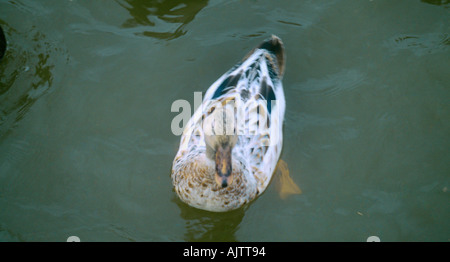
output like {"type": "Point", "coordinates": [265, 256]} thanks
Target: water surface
{"type": "Point", "coordinates": [86, 89]}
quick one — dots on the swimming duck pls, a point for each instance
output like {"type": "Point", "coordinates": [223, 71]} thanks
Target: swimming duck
{"type": "Point", "coordinates": [230, 147]}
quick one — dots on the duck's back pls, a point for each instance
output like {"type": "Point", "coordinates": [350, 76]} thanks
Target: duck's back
{"type": "Point", "coordinates": [255, 88]}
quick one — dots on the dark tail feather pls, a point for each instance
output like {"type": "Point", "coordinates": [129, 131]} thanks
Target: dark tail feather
{"type": "Point", "coordinates": [275, 46]}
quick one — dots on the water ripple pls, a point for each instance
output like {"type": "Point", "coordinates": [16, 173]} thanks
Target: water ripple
{"type": "Point", "coordinates": [333, 84]}
{"type": "Point", "coordinates": [419, 45]}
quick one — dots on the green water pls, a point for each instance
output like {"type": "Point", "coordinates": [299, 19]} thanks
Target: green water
{"type": "Point", "coordinates": [86, 89]}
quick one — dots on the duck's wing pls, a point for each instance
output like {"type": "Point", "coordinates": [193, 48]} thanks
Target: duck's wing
{"type": "Point", "coordinates": [265, 110]}
{"type": "Point", "coordinates": [254, 75]}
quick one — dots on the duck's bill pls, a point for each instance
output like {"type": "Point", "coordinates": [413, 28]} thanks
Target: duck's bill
{"type": "Point", "coordinates": [223, 180]}
{"type": "Point", "coordinates": [223, 174]}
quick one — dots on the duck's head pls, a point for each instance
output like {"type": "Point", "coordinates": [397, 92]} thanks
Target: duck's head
{"type": "Point", "coordinates": [220, 138]}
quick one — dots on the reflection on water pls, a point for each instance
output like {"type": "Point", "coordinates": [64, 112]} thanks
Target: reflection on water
{"type": "Point", "coordinates": [167, 17]}
{"type": "Point", "coordinates": [26, 73]}
{"type": "Point", "coordinates": [209, 226]}
{"type": "Point", "coordinates": [437, 2]}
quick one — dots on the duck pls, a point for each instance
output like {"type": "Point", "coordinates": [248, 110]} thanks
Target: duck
{"type": "Point", "coordinates": [231, 145]}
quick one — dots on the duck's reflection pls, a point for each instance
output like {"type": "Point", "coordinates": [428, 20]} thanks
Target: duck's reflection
{"type": "Point", "coordinates": [167, 17]}
{"type": "Point", "coordinates": [209, 226]}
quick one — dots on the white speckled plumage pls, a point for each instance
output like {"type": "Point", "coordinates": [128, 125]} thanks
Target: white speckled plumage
{"type": "Point", "coordinates": [251, 100]}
